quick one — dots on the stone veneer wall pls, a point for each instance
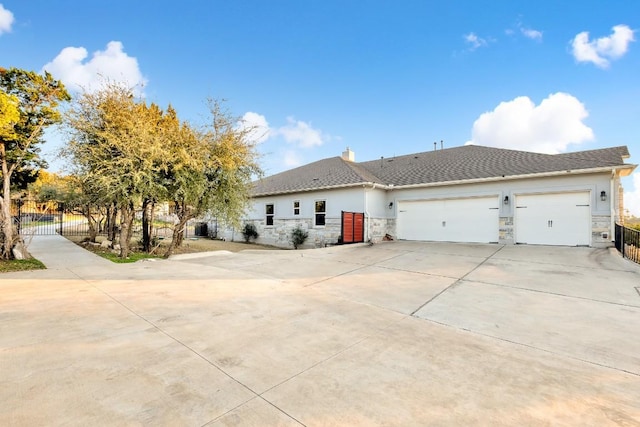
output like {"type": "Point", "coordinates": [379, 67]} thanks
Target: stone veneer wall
{"type": "Point", "coordinates": [601, 224]}
{"type": "Point", "coordinates": [379, 227]}
{"type": "Point", "coordinates": [505, 233]}
{"type": "Point", "coordinates": [319, 237]}
{"type": "Point", "coordinates": [280, 233]}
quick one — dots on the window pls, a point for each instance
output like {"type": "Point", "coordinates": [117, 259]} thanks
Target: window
{"type": "Point", "coordinates": [296, 207]}
{"type": "Point", "coordinates": [321, 210]}
{"type": "Point", "coordinates": [269, 212]}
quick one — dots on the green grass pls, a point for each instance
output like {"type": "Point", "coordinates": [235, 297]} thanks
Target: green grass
{"type": "Point", "coordinates": [133, 257]}
{"type": "Point", "coordinates": [20, 265]}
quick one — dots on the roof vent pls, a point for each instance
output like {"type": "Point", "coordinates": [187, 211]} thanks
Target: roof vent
{"type": "Point", "coordinates": [349, 155]}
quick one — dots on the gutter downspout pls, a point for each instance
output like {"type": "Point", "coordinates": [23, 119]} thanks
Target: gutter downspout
{"type": "Point", "coordinates": [612, 206]}
{"type": "Point", "coordinates": [367, 217]}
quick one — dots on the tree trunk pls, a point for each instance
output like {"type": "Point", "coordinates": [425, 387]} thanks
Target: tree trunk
{"type": "Point", "coordinates": [91, 222]}
{"type": "Point", "coordinates": [178, 230]}
{"type": "Point", "coordinates": [112, 215]}
{"type": "Point", "coordinates": [151, 219]}
{"type": "Point", "coordinates": [126, 225]}
{"type": "Point", "coordinates": [5, 214]}
{"type": "Point", "coordinates": [146, 225]}
{"type": "Point", "coordinates": [180, 237]}
{"type": "Point", "coordinates": [182, 221]}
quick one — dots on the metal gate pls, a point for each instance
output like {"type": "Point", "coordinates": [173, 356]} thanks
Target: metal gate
{"type": "Point", "coordinates": [352, 227]}
{"type": "Point", "coordinates": [628, 242]}
{"type": "Point", "coordinates": [33, 217]}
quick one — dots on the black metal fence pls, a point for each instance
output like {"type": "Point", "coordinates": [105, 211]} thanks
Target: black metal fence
{"type": "Point", "coordinates": [36, 217]}
{"type": "Point", "coordinates": [41, 218]}
{"type": "Point", "coordinates": [628, 242]}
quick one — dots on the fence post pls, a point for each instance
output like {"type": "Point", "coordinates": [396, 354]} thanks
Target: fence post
{"type": "Point", "coordinates": [19, 216]}
{"type": "Point", "coordinates": [60, 215]}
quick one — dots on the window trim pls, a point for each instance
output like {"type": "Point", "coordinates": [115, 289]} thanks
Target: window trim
{"type": "Point", "coordinates": [296, 208]}
{"type": "Point", "coordinates": [316, 213]}
{"type": "Point", "coordinates": [269, 215]}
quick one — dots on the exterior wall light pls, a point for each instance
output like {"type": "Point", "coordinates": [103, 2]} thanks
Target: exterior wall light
{"type": "Point", "coordinates": [390, 205]}
{"type": "Point", "coordinates": [506, 200]}
{"type": "Point", "coordinates": [603, 196]}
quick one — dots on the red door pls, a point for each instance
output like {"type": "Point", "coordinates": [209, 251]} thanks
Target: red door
{"type": "Point", "coordinates": [352, 227]}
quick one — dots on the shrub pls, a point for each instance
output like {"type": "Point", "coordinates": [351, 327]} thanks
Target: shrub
{"type": "Point", "coordinates": [249, 232]}
{"type": "Point", "coordinates": [298, 236]}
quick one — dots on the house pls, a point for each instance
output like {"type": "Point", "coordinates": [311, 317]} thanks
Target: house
{"type": "Point", "coordinates": [461, 194]}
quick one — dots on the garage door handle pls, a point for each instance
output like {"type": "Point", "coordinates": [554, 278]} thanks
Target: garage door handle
{"type": "Point", "coordinates": [583, 205]}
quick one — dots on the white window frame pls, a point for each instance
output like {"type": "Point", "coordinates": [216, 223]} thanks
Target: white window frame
{"type": "Point", "coordinates": [268, 215]}
{"type": "Point", "coordinates": [296, 207]}
{"type": "Point", "coordinates": [316, 213]}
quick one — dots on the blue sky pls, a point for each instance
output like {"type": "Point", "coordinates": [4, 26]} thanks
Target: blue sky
{"type": "Point", "coordinates": [384, 78]}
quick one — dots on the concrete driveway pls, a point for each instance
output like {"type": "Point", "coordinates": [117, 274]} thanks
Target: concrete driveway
{"type": "Point", "coordinates": [399, 333]}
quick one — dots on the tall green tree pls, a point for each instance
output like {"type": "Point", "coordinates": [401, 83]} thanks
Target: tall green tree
{"type": "Point", "coordinates": [211, 170]}
{"type": "Point", "coordinates": [36, 99]}
{"type": "Point", "coordinates": [116, 151]}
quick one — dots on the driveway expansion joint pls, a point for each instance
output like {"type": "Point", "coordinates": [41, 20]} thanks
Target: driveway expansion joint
{"type": "Point", "coordinates": [192, 350]}
{"type": "Point", "coordinates": [461, 279]}
{"type": "Point", "coordinates": [555, 293]}
{"type": "Point", "coordinates": [590, 362]}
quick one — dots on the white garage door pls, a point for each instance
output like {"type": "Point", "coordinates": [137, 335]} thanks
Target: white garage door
{"type": "Point", "coordinates": [553, 219]}
{"type": "Point", "coordinates": [451, 220]}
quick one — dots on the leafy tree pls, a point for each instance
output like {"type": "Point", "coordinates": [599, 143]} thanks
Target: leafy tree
{"type": "Point", "coordinates": [130, 155]}
{"type": "Point", "coordinates": [210, 171]}
{"type": "Point", "coordinates": [35, 98]}
{"type": "Point", "coordinates": [115, 148]}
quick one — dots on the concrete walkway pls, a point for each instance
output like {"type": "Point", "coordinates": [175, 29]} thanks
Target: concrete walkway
{"type": "Point", "coordinates": [400, 333]}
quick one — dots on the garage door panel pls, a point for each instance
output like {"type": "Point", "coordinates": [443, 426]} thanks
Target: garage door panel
{"type": "Point", "coordinates": [452, 220]}
{"type": "Point", "coordinates": [553, 219]}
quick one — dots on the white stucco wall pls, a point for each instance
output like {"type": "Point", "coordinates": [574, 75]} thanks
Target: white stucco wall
{"type": "Point", "coordinates": [338, 200]}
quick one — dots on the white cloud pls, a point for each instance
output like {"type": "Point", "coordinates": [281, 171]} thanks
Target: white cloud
{"type": "Point", "coordinates": [632, 198]}
{"type": "Point", "coordinates": [256, 125]}
{"type": "Point", "coordinates": [301, 133]}
{"type": "Point", "coordinates": [474, 41]}
{"type": "Point", "coordinates": [6, 20]}
{"type": "Point", "coordinates": [295, 132]}
{"type": "Point", "coordinates": [547, 128]}
{"type": "Point", "coordinates": [601, 51]}
{"type": "Point", "coordinates": [531, 33]}
{"type": "Point", "coordinates": [111, 64]}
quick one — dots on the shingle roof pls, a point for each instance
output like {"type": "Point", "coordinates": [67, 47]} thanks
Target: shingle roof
{"type": "Point", "coordinates": [452, 164]}
{"type": "Point", "coordinates": [326, 173]}
{"type": "Point", "coordinates": [475, 162]}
